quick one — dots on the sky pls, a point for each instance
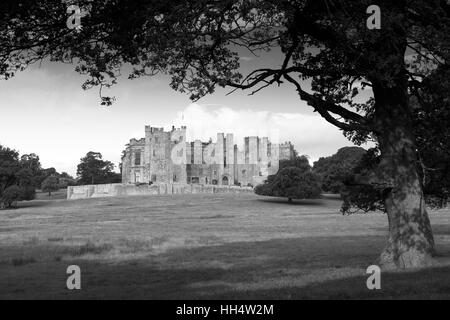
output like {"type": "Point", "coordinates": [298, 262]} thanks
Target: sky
{"type": "Point", "coordinates": [43, 110]}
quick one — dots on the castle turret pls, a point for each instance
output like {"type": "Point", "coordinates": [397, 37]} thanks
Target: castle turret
{"type": "Point", "coordinates": [167, 157]}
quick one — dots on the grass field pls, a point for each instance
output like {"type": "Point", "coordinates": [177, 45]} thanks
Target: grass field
{"type": "Point", "coordinates": [204, 247]}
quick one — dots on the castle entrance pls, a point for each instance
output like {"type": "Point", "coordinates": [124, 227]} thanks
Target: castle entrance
{"type": "Point", "coordinates": [225, 181]}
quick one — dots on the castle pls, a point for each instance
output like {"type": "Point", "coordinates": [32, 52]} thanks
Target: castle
{"type": "Point", "coordinates": [166, 157]}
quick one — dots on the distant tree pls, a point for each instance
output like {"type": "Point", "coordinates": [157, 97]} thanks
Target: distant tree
{"type": "Point", "coordinates": [113, 177]}
{"type": "Point", "coordinates": [294, 180]}
{"type": "Point", "coordinates": [25, 177]}
{"type": "Point", "coordinates": [31, 161]}
{"type": "Point", "coordinates": [32, 164]}
{"type": "Point", "coordinates": [94, 170]}
{"type": "Point", "coordinates": [12, 195]}
{"type": "Point", "coordinates": [334, 169]}
{"type": "Point", "coordinates": [28, 193]}
{"type": "Point", "coordinates": [66, 180]}
{"type": "Point", "coordinates": [50, 184]}
{"type": "Point", "coordinates": [301, 162]}
{"type": "Point", "coordinates": [42, 174]}
{"type": "Point", "coordinates": [16, 178]}
{"type": "Point", "coordinates": [9, 166]}
{"type": "Point", "coordinates": [291, 183]}
{"type": "Point", "coordinates": [25, 180]}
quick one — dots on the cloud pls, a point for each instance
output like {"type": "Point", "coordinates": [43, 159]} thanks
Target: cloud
{"type": "Point", "coordinates": [310, 134]}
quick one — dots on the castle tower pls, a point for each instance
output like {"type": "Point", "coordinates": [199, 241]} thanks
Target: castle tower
{"type": "Point", "coordinates": [229, 169]}
{"type": "Point", "coordinates": [167, 157]}
{"type": "Point", "coordinates": [263, 156]}
{"type": "Point", "coordinates": [198, 152]}
{"type": "Point", "coordinates": [219, 158]}
{"type": "Point", "coordinates": [178, 155]}
{"type": "Point", "coordinates": [160, 155]}
{"type": "Point", "coordinates": [253, 150]}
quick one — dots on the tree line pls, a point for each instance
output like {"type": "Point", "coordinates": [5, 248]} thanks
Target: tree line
{"type": "Point", "coordinates": [22, 175]}
{"type": "Point", "coordinates": [340, 173]}
{"type": "Point", "coordinates": [297, 179]}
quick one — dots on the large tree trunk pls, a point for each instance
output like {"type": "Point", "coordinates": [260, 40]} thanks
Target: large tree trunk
{"type": "Point", "coordinates": [410, 241]}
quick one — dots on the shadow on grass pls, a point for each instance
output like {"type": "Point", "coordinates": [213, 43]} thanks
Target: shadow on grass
{"type": "Point", "coordinates": [438, 229]}
{"type": "Point", "coordinates": [431, 283]}
{"type": "Point", "coordinates": [34, 203]}
{"type": "Point", "coordinates": [295, 202]}
{"type": "Point", "coordinates": [294, 268]}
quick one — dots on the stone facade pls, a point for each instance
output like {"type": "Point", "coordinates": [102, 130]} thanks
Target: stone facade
{"type": "Point", "coordinates": [119, 189]}
{"type": "Point", "coordinates": [166, 157]}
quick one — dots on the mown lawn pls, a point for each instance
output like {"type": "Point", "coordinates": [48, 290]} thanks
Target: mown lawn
{"type": "Point", "coordinates": [204, 246]}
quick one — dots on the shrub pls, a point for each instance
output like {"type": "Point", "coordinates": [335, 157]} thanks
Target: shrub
{"type": "Point", "coordinates": [29, 193]}
{"type": "Point", "coordinates": [11, 195]}
{"type": "Point", "coordinates": [291, 183]}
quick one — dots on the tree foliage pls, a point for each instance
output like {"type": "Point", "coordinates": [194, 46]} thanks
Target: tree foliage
{"type": "Point", "coordinates": [50, 184]}
{"type": "Point", "coordinates": [94, 170]}
{"type": "Point", "coordinates": [12, 195]}
{"type": "Point", "coordinates": [24, 174]}
{"type": "Point", "coordinates": [294, 180]}
{"type": "Point", "coordinates": [15, 179]}
{"type": "Point", "coordinates": [9, 166]}
{"type": "Point", "coordinates": [334, 169]}
{"type": "Point", "coordinates": [431, 117]}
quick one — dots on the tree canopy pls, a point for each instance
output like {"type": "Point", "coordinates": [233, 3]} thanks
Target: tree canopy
{"type": "Point", "coordinates": [50, 184]}
{"type": "Point", "coordinates": [336, 168]}
{"type": "Point", "coordinates": [16, 179]}
{"type": "Point", "coordinates": [94, 170]}
{"type": "Point", "coordinates": [291, 183]}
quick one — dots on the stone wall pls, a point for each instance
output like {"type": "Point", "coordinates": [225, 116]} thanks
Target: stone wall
{"type": "Point", "coordinates": [119, 189]}
{"type": "Point", "coordinates": [167, 157]}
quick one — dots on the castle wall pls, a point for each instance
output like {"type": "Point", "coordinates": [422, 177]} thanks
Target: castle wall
{"type": "Point", "coordinates": [198, 152]}
{"type": "Point", "coordinates": [160, 163]}
{"type": "Point", "coordinates": [253, 150]}
{"type": "Point", "coordinates": [120, 189]}
{"type": "Point", "coordinates": [264, 156]}
{"type": "Point", "coordinates": [178, 156]}
{"type": "Point", "coordinates": [133, 168]}
{"type": "Point", "coordinates": [230, 167]}
{"type": "Point", "coordinates": [209, 154]}
{"type": "Point", "coordinates": [166, 157]}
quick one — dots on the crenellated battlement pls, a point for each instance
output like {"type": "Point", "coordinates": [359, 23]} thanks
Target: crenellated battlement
{"type": "Point", "coordinates": [167, 157]}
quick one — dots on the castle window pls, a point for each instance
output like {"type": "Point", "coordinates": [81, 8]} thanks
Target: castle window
{"type": "Point", "coordinates": [154, 177]}
{"type": "Point", "coordinates": [195, 180]}
{"type": "Point", "coordinates": [154, 153]}
{"type": "Point", "coordinates": [156, 139]}
{"type": "Point", "coordinates": [137, 158]}
{"type": "Point", "coordinates": [244, 172]}
{"type": "Point", "coordinates": [270, 164]}
{"type": "Point", "coordinates": [137, 177]}
{"type": "Point", "coordinates": [175, 178]}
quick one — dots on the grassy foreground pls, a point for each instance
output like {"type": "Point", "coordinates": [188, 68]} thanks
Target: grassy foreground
{"type": "Point", "coordinates": [203, 247]}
